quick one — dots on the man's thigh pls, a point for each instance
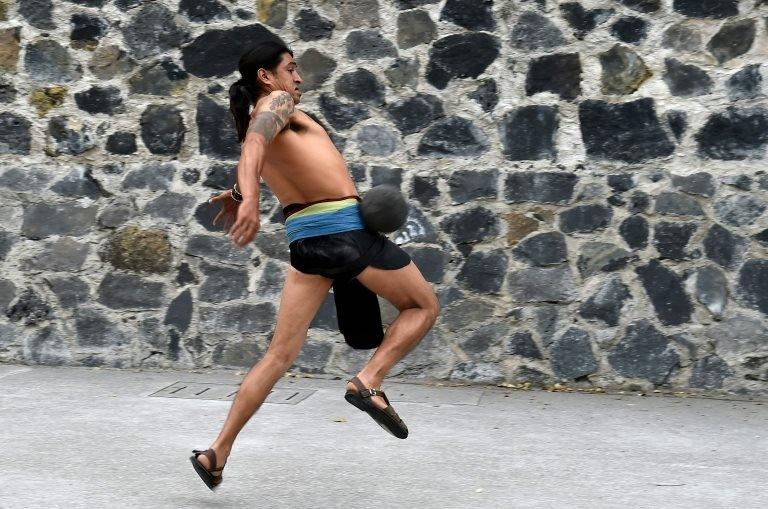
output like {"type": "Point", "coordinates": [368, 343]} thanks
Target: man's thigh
{"type": "Point", "coordinates": [301, 298]}
{"type": "Point", "coordinates": [404, 288]}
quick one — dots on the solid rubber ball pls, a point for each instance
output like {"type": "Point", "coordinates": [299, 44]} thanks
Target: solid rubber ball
{"type": "Point", "coordinates": [384, 208]}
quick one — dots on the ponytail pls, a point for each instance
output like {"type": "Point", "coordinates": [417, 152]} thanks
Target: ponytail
{"type": "Point", "coordinates": [241, 97]}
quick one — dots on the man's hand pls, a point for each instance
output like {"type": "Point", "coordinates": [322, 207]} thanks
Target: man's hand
{"type": "Point", "coordinates": [247, 224]}
{"type": "Point", "coordinates": [228, 212]}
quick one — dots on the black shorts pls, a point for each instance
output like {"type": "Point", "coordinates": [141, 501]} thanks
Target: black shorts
{"type": "Point", "coordinates": [342, 256]}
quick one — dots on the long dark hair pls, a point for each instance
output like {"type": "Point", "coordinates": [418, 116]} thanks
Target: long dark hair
{"type": "Point", "coordinates": [244, 92]}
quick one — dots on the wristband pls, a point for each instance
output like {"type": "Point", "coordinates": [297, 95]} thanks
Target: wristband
{"type": "Point", "coordinates": [236, 194]}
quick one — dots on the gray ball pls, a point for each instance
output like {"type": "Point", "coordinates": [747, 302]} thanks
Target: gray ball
{"type": "Point", "coordinates": [384, 208]}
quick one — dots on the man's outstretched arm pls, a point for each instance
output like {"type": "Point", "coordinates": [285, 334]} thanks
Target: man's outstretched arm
{"type": "Point", "coordinates": [267, 120]}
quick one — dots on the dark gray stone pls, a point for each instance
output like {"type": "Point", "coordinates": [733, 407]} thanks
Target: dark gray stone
{"type": "Point", "coordinates": [621, 182]}
{"type": "Point", "coordinates": [484, 271]}
{"type": "Point", "coordinates": [7, 241]}
{"type": "Point", "coordinates": [414, 28]}
{"type": "Point", "coordinates": [753, 284]}
{"type": "Point", "coordinates": [43, 220]}
{"type": "Point", "coordinates": [404, 72]}
{"type": "Point", "coordinates": [237, 318]}
{"type": "Point", "coordinates": [572, 356]}
{"type": "Point", "coordinates": [15, 137]}
{"type": "Point", "coordinates": [95, 329]}
{"type": "Point", "coordinates": [220, 176]}
{"type": "Point", "coordinates": [465, 313]}
{"type": "Point", "coordinates": [162, 129]}
{"type": "Point", "coordinates": [623, 71]}
{"type": "Point", "coordinates": [7, 91]}
{"type": "Point", "coordinates": [723, 247]}
{"type": "Point", "coordinates": [630, 29]}
{"type": "Point", "coordinates": [38, 13]}
{"type": "Point", "coordinates": [681, 37]}
{"type": "Point", "coordinates": [644, 6]}
{"type": "Point", "coordinates": [79, 183]}
{"type": "Point", "coordinates": [762, 237]}
{"type": "Point", "coordinates": [223, 284]}
{"type": "Point", "coordinates": [326, 317]}
{"type": "Point", "coordinates": [190, 176]}
{"type": "Point", "coordinates": [271, 281]}
{"type": "Point", "coordinates": [174, 207]}
{"type": "Point", "coordinates": [739, 209]}
{"type": "Point", "coordinates": [115, 214]}
{"type": "Point", "coordinates": [628, 132]}
{"type": "Point", "coordinates": [540, 186]}
{"type": "Point", "coordinates": [733, 39]}
{"type": "Point", "coordinates": [316, 68]}
{"type": "Point", "coordinates": [203, 11]}
{"type": "Point", "coordinates": [369, 45]}
{"type": "Point", "coordinates": [412, 114]}
{"type": "Point", "coordinates": [584, 20]}
{"type": "Point", "coordinates": [585, 218]}
{"type": "Point", "coordinates": [243, 353]}
{"type": "Point", "coordinates": [686, 80]}
{"type": "Point", "coordinates": [487, 372]}
{"type": "Point", "coordinates": [745, 84]}
{"type": "Point", "coordinates": [700, 183]}
{"type": "Point", "coordinates": [677, 204]}
{"type": "Point", "coordinates": [453, 136]}
{"type": "Point", "coordinates": [376, 140]}
{"type": "Point", "coordinates": [313, 358]}
{"type": "Point", "coordinates": [129, 291]}
{"type": "Point", "coordinates": [153, 30]}
{"type": "Point", "coordinates": [179, 312]}
{"type": "Point", "coordinates": [47, 346]}
{"type": "Point", "coordinates": [522, 344]}
{"type": "Point", "coordinates": [360, 85]}
{"type": "Point", "coordinates": [470, 14]}
{"type": "Point", "coordinates": [717, 9]}
{"type": "Point", "coordinates": [671, 239]}
{"type": "Point", "coordinates": [644, 352]}
{"type": "Point", "coordinates": [598, 257]}
{"type": "Point", "coordinates": [87, 29]}
{"type": "Point", "coordinates": [470, 226]}
{"type": "Point", "coordinates": [215, 53]}
{"type": "Point", "coordinates": [69, 137]}
{"type": "Point", "coordinates": [607, 302]}
{"type": "Point", "coordinates": [312, 26]}
{"type": "Point", "coordinates": [425, 190]}
{"type": "Point", "coordinates": [29, 308]}
{"type": "Point", "coordinates": [217, 248]}
{"type": "Point", "coordinates": [121, 143]}
{"type": "Point", "coordinates": [665, 291]}
{"type": "Point", "coordinates": [529, 132]}
{"type": "Point", "coordinates": [64, 254]}
{"type": "Point", "coordinates": [487, 338]}
{"type": "Point", "coordinates": [216, 130]}
{"type": "Point", "coordinates": [678, 123]}
{"type": "Point", "coordinates": [430, 261]}
{"type": "Point", "coordinates": [534, 32]}
{"type": "Point", "coordinates": [25, 179]}
{"type": "Point", "coordinates": [734, 135]}
{"type": "Point", "coordinates": [385, 175]}
{"type": "Point", "coordinates": [46, 61]}
{"type": "Point", "coordinates": [712, 289]}
{"type": "Point", "coordinates": [634, 231]}
{"type": "Point", "coordinates": [540, 284]}
{"type": "Point", "coordinates": [465, 55]}
{"type": "Point", "coordinates": [153, 176]}
{"type": "Point", "coordinates": [410, 4]}
{"type": "Point", "coordinates": [543, 249]}
{"type": "Point", "coordinates": [559, 74]}
{"type": "Point", "coordinates": [70, 290]}
{"type": "Point", "coordinates": [162, 78]}
{"type": "Point", "coordinates": [547, 320]}
{"type": "Point", "coordinates": [743, 182]}
{"type": "Point", "coordinates": [468, 185]}
{"type": "Point", "coordinates": [710, 373]}
{"type": "Point", "coordinates": [417, 228]}
{"type": "Point", "coordinates": [486, 94]}
{"type": "Point", "coordinates": [341, 115]}
{"type": "Point", "coordinates": [185, 275]}
{"type": "Point", "coordinates": [274, 245]}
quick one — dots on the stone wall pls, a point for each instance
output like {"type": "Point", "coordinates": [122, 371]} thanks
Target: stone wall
{"type": "Point", "coordinates": [587, 182]}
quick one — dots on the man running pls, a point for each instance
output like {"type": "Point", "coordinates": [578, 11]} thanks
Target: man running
{"type": "Point", "coordinates": [296, 158]}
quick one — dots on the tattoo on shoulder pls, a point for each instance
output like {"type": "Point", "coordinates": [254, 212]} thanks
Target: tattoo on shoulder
{"type": "Point", "coordinates": [269, 123]}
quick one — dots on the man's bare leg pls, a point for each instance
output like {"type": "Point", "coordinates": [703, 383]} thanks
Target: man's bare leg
{"type": "Point", "coordinates": [407, 290]}
{"type": "Point", "coordinates": [302, 296]}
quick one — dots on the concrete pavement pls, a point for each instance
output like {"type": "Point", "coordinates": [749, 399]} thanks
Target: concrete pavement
{"type": "Point", "coordinates": [103, 438]}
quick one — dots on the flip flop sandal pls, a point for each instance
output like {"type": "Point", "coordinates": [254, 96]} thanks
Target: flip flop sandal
{"type": "Point", "coordinates": [211, 477]}
{"type": "Point", "coordinates": [386, 418]}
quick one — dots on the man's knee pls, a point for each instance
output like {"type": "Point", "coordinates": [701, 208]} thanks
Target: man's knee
{"type": "Point", "coordinates": [279, 358]}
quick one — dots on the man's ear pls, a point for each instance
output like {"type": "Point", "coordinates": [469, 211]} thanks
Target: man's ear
{"type": "Point", "coordinates": [263, 76]}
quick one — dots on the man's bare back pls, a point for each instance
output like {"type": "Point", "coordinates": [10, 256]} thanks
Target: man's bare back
{"type": "Point", "coordinates": [303, 165]}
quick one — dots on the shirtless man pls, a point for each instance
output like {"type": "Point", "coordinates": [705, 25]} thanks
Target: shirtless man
{"type": "Point", "coordinates": [296, 158]}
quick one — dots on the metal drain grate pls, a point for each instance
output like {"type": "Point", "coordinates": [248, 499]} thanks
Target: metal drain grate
{"type": "Point", "coordinates": [226, 392]}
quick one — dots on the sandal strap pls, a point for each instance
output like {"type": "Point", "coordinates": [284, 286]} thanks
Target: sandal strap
{"type": "Point", "coordinates": [211, 455]}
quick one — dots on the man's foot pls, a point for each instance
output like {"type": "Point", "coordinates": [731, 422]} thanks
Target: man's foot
{"type": "Point", "coordinates": [221, 458]}
{"type": "Point", "coordinates": [377, 401]}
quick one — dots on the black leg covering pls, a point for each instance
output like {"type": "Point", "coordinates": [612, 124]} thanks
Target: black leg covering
{"type": "Point", "coordinates": [358, 313]}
